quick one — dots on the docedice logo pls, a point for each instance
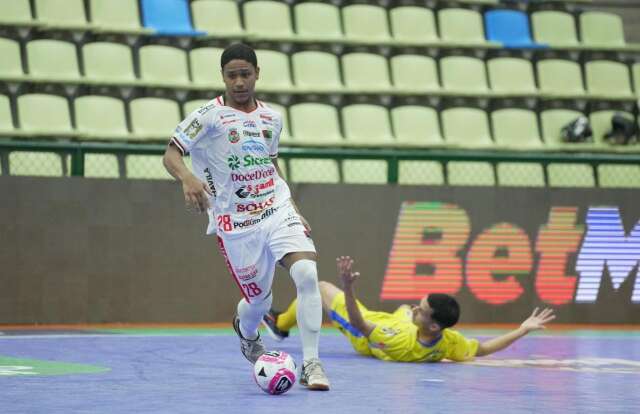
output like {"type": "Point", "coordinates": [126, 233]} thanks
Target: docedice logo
{"type": "Point", "coordinates": [233, 162]}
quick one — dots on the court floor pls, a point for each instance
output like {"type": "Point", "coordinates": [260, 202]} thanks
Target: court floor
{"type": "Point", "coordinates": [201, 371]}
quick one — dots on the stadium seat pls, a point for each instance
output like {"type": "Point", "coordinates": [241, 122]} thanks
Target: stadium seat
{"type": "Point", "coordinates": [367, 125]}
{"type": "Point", "coordinates": [466, 127]}
{"type": "Point", "coordinates": [309, 170]}
{"type": "Point", "coordinates": [414, 74]}
{"type": "Point", "coordinates": [636, 78]}
{"type": "Point", "coordinates": [520, 174]}
{"type": "Point", "coordinates": [516, 128]}
{"type": "Point", "coordinates": [6, 121]}
{"type": "Point", "coordinates": [11, 62]}
{"type": "Point", "coordinates": [46, 115]}
{"type": "Point", "coordinates": [315, 124]}
{"type": "Point", "coordinates": [366, 72]}
{"type": "Point", "coordinates": [470, 173]}
{"type": "Point", "coordinates": [106, 62]}
{"type": "Point", "coordinates": [602, 30]}
{"type": "Point", "coordinates": [316, 71]}
{"type": "Point", "coordinates": [509, 27]}
{"type": "Point", "coordinates": [560, 78]}
{"type": "Point", "coordinates": [62, 14]}
{"type": "Point", "coordinates": [317, 22]}
{"type": "Point", "coordinates": [53, 61]}
{"type": "Point", "coordinates": [601, 124]}
{"type": "Point", "coordinates": [555, 28]}
{"type": "Point", "coordinates": [463, 75]}
{"type": "Point", "coordinates": [154, 118]}
{"type": "Point", "coordinates": [265, 19]}
{"type": "Point", "coordinates": [16, 13]}
{"type": "Point", "coordinates": [416, 126]}
{"type": "Point", "coordinates": [275, 75]}
{"type": "Point", "coordinates": [552, 121]}
{"type": "Point", "coordinates": [511, 76]}
{"type": "Point", "coordinates": [461, 27]}
{"type": "Point", "coordinates": [218, 18]}
{"type": "Point", "coordinates": [205, 67]}
{"type": "Point", "coordinates": [413, 25]}
{"type": "Point", "coordinates": [101, 117]}
{"type": "Point", "coordinates": [364, 23]}
{"type": "Point", "coordinates": [286, 135]}
{"type": "Point", "coordinates": [117, 16]}
{"type": "Point", "coordinates": [164, 66]}
{"type": "Point", "coordinates": [101, 166]}
{"type": "Point", "coordinates": [43, 164]}
{"type": "Point", "coordinates": [608, 80]}
{"type": "Point", "coordinates": [146, 167]}
{"type": "Point", "coordinates": [191, 106]}
{"type": "Point", "coordinates": [570, 175]}
{"type": "Point", "coordinates": [168, 17]}
{"type": "Point", "coordinates": [618, 176]}
{"type": "Point", "coordinates": [420, 173]}
{"type": "Point", "coordinates": [364, 171]}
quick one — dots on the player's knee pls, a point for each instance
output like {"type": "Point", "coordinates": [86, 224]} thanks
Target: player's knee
{"type": "Point", "coordinates": [305, 275]}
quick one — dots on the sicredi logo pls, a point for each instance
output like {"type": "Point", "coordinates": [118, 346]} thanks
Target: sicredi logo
{"type": "Point", "coordinates": [234, 162]}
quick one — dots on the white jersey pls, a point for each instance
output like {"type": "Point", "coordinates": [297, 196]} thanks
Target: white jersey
{"type": "Point", "coordinates": [231, 151]}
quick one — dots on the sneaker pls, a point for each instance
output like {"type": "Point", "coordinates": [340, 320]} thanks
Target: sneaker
{"type": "Point", "coordinates": [313, 376]}
{"type": "Point", "coordinates": [251, 348]}
{"type": "Point", "coordinates": [269, 321]}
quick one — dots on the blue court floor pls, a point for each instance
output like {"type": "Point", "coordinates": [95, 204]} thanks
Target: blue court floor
{"type": "Point", "coordinates": [202, 371]}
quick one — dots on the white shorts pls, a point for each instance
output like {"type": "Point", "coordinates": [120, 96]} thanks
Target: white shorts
{"type": "Point", "coordinates": [251, 257]}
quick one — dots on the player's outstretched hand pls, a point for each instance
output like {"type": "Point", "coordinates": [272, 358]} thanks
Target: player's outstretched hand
{"type": "Point", "coordinates": [537, 320]}
{"type": "Point", "coordinates": [196, 194]}
{"type": "Point", "coordinates": [345, 263]}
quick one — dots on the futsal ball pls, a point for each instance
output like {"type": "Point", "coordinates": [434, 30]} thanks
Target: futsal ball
{"type": "Point", "coordinates": [275, 372]}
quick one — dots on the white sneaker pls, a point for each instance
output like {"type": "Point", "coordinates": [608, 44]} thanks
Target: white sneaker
{"type": "Point", "coordinates": [313, 376]}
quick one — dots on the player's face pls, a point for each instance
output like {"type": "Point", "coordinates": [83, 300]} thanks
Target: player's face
{"type": "Point", "coordinates": [422, 316]}
{"type": "Point", "coordinates": [240, 77]}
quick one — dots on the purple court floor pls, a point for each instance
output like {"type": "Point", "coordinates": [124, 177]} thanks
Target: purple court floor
{"type": "Point", "coordinates": [202, 371]}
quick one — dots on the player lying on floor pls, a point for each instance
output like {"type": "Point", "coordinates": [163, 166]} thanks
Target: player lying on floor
{"type": "Point", "coordinates": [418, 333]}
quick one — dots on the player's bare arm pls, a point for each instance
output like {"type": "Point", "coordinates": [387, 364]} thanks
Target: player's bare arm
{"type": "Point", "coordinates": [195, 191]}
{"type": "Point", "coordinates": [274, 160]}
{"type": "Point", "coordinates": [348, 278]}
{"type": "Point", "coordinates": [534, 322]}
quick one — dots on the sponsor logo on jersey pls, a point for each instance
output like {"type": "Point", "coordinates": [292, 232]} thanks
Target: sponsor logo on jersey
{"type": "Point", "coordinates": [254, 220]}
{"type": "Point", "coordinates": [249, 124]}
{"type": "Point", "coordinates": [209, 177]}
{"type": "Point", "coordinates": [254, 207]}
{"type": "Point", "coordinates": [247, 161]}
{"type": "Point", "coordinates": [250, 133]}
{"type": "Point", "coordinates": [267, 134]}
{"type": "Point", "coordinates": [233, 135]}
{"type": "Point", "coordinates": [232, 115]}
{"type": "Point", "coordinates": [253, 175]}
{"type": "Point", "coordinates": [204, 109]}
{"type": "Point", "coordinates": [193, 128]}
{"type": "Point", "coordinates": [254, 146]}
{"type": "Point", "coordinates": [266, 117]}
{"type": "Point", "coordinates": [255, 190]}
{"type": "Point", "coordinates": [231, 121]}
{"type": "Point", "coordinates": [246, 273]}
{"type": "Point", "coordinates": [233, 162]}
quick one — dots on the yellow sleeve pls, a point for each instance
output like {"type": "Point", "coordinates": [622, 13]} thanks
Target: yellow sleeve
{"type": "Point", "coordinates": [404, 313]}
{"type": "Point", "coordinates": [459, 348]}
{"type": "Point", "coordinates": [392, 340]}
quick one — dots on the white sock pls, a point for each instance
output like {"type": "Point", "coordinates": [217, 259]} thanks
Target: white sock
{"type": "Point", "coordinates": [251, 315]}
{"type": "Point", "coordinates": [309, 312]}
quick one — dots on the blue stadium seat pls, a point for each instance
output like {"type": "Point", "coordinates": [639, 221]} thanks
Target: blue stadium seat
{"type": "Point", "coordinates": [168, 17]}
{"type": "Point", "coordinates": [511, 28]}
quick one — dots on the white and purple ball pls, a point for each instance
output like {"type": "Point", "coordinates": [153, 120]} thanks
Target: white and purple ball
{"type": "Point", "coordinates": [275, 372]}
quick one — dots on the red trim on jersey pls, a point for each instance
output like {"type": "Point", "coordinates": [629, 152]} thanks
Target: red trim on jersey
{"type": "Point", "coordinates": [260, 104]}
{"type": "Point", "coordinates": [178, 145]}
{"type": "Point", "coordinates": [219, 100]}
{"type": "Point", "coordinates": [228, 263]}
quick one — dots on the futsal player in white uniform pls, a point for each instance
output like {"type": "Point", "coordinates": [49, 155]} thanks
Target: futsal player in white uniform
{"type": "Point", "coordinates": [233, 142]}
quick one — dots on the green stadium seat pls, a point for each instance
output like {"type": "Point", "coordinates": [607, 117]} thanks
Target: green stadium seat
{"type": "Point", "coordinates": [466, 127]}
{"type": "Point", "coordinates": [420, 173]}
{"type": "Point", "coordinates": [470, 173]}
{"type": "Point", "coordinates": [552, 121]}
{"type": "Point", "coordinates": [268, 20]}
{"type": "Point", "coordinates": [516, 128]}
{"type": "Point", "coordinates": [42, 164]}
{"type": "Point", "coordinates": [367, 125]}
{"type": "Point", "coordinates": [219, 18]}
{"type": "Point", "coordinates": [618, 176]}
{"type": "Point", "coordinates": [101, 117]}
{"type": "Point", "coordinates": [146, 167]}
{"type": "Point", "coordinates": [275, 75]}
{"type": "Point", "coordinates": [555, 28]}
{"type": "Point", "coordinates": [315, 124]}
{"type": "Point", "coordinates": [45, 115]}
{"type": "Point", "coordinates": [608, 80]}
{"type": "Point", "coordinates": [560, 78]}
{"type": "Point", "coordinates": [191, 106]}
{"type": "Point", "coordinates": [316, 71]}
{"type": "Point", "coordinates": [366, 72]}
{"type": "Point", "coordinates": [205, 67]}
{"type": "Point", "coordinates": [62, 14]}
{"type": "Point", "coordinates": [16, 13]}
{"type": "Point", "coordinates": [511, 76]}
{"type": "Point", "coordinates": [413, 25]}
{"type": "Point", "coordinates": [164, 66]}
{"type": "Point", "coordinates": [110, 63]}
{"type": "Point", "coordinates": [601, 30]}
{"type": "Point", "coordinates": [53, 61]}
{"type": "Point", "coordinates": [117, 16]}
{"type": "Point", "coordinates": [154, 118]}
{"type": "Point", "coordinates": [365, 23]}
{"type": "Point", "coordinates": [318, 22]}
{"type": "Point", "coordinates": [416, 126]}
{"type": "Point", "coordinates": [364, 171]}
{"type": "Point", "coordinates": [285, 136]}
{"type": "Point", "coordinates": [101, 166]}
{"type": "Point", "coordinates": [11, 62]}
{"type": "Point", "coordinates": [463, 75]}
{"type": "Point", "coordinates": [414, 74]}
{"type": "Point", "coordinates": [636, 78]}
{"type": "Point", "coordinates": [570, 175]}
{"type": "Point", "coordinates": [601, 124]}
{"type": "Point", "coordinates": [6, 120]}
{"type": "Point", "coordinates": [308, 170]}
{"type": "Point", "coordinates": [520, 174]}
{"type": "Point", "coordinates": [462, 27]}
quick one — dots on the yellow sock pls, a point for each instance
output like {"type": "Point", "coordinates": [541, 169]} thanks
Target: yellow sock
{"type": "Point", "coordinates": [287, 319]}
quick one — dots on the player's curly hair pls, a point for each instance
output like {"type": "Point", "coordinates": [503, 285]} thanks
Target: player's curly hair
{"type": "Point", "coordinates": [446, 310]}
{"type": "Point", "coordinates": [238, 51]}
